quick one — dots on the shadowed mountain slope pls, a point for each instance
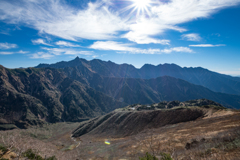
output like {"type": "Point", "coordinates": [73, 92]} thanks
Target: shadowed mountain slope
{"type": "Point", "coordinates": [200, 76]}
{"type": "Point", "coordinates": [33, 96]}
{"type": "Point", "coordinates": [147, 91]}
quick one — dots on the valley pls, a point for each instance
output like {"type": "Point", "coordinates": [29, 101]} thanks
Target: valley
{"type": "Point", "coordinates": [212, 134]}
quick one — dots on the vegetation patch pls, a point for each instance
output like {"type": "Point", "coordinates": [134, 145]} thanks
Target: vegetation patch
{"type": "Point", "coordinates": [30, 154]}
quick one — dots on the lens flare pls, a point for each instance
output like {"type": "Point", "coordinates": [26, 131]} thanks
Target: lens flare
{"type": "Point", "coordinates": [107, 142]}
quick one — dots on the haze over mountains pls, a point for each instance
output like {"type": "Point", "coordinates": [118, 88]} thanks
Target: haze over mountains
{"type": "Point", "coordinates": [80, 89]}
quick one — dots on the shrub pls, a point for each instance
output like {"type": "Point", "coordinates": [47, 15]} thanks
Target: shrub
{"type": "Point", "coordinates": [148, 157]}
{"type": "Point", "coordinates": [166, 156]}
{"type": "Point", "coordinates": [30, 154]}
{"type": "Point", "coordinates": [3, 149]}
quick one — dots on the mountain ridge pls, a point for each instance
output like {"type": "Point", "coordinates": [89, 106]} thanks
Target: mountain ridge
{"type": "Point", "coordinates": [197, 75]}
{"type": "Point", "coordinates": [36, 96]}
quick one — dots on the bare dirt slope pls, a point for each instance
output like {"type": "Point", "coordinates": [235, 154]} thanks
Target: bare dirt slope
{"type": "Point", "coordinates": [215, 137]}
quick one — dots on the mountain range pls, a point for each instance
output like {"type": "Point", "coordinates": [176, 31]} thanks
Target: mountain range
{"type": "Point", "coordinates": [79, 89]}
{"type": "Point", "coordinates": [199, 76]}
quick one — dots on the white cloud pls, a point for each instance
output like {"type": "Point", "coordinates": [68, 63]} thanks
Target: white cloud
{"type": "Point", "coordinates": [178, 49]}
{"type": "Point", "coordinates": [40, 41]}
{"type": "Point", "coordinates": [99, 21]}
{"type": "Point", "coordinates": [144, 39]}
{"type": "Point", "coordinates": [7, 45]}
{"type": "Point", "coordinates": [94, 56]}
{"type": "Point", "coordinates": [54, 18]}
{"type": "Point", "coordinates": [207, 45]}
{"type": "Point", "coordinates": [66, 44]}
{"type": "Point", "coordinates": [67, 51]}
{"type": "Point", "coordinates": [191, 37]}
{"type": "Point", "coordinates": [111, 45]}
{"type": "Point", "coordinates": [22, 52]}
{"type": "Point", "coordinates": [6, 53]}
{"type": "Point", "coordinates": [41, 55]}
{"type": "Point", "coordinates": [116, 46]}
{"type": "Point", "coordinates": [167, 15]}
{"type": "Point", "coordinates": [52, 52]}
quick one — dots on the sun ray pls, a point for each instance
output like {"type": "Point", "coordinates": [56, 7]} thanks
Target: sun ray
{"type": "Point", "coordinates": [138, 7]}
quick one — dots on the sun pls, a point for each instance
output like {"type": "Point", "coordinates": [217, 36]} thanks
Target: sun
{"type": "Point", "coordinates": [141, 4]}
{"type": "Point", "coordinates": [139, 7]}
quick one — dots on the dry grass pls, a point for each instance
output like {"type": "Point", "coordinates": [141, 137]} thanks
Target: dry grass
{"type": "Point", "coordinates": [216, 137]}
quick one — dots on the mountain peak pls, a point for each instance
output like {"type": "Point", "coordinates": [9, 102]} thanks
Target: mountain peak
{"type": "Point", "coordinates": [147, 66]}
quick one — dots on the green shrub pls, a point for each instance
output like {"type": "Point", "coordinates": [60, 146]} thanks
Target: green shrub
{"type": "Point", "coordinates": [148, 157]}
{"type": "Point", "coordinates": [3, 149]}
{"type": "Point", "coordinates": [166, 156]}
{"type": "Point", "coordinates": [30, 154]}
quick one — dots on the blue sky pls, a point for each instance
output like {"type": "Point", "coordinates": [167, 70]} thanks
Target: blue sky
{"type": "Point", "coordinates": [189, 33]}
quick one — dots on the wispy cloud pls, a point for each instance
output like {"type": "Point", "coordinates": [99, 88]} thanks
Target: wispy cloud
{"type": "Point", "coordinates": [22, 52]}
{"type": "Point", "coordinates": [99, 21]}
{"type": "Point", "coordinates": [67, 51]}
{"type": "Point", "coordinates": [55, 18]}
{"type": "Point", "coordinates": [66, 44]}
{"type": "Point", "coordinates": [6, 53]}
{"type": "Point", "coordinates": [48, 53]}
{"type": "Point", "coordinates": [40, 41]}
{"type": "Point", "coordinates": [7, 45]}
{"type": "Point", "coordinates": [143, 39]}
{"type": "Point", "coordinates": [207, 45]}
{"type": "Point", "coordinates": [191, 37]}
{"type": "Point", "coordinates": [178, 49]}
{"type": "Point", "coordinates": [116, 46]}
{"type": "Point", "coordinates": [41, 55]}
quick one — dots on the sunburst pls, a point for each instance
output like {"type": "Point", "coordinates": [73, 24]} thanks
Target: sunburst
{"type": "Point", "coordinates": [140, 7]}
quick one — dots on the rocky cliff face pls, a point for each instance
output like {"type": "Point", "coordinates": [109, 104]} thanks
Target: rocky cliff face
{"type": "Point", "coordinates": [34, 96]}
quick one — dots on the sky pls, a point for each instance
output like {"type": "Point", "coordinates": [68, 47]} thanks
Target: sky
{"type": "Point", "coordinates": [189, 33]}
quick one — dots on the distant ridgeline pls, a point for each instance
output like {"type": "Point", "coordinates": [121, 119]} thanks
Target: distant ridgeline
{"type": "Point", "coordinates": [199, 76]}
{"type": "Point", "coordinates": [204, 103]}
{"type": "Point", "coordinates": [79, 89]}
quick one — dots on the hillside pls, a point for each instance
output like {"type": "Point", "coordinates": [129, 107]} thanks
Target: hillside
{"type": "Point", "coordinates": [199, 76]}
{"type": "Point", "coordinates": [196, 129]}
{"type": "Point", "coordinates": [135, 118]}
{"type": "Point", "coordinates": [35, 96]}
{"type": "Point", "coordinates": [147, 91]}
